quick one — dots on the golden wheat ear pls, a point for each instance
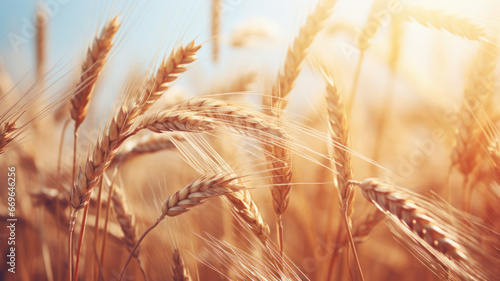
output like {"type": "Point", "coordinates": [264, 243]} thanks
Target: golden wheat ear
{"type": "Point", "coordinates": [431, 232]}
{"type": "Point", "coordinates": [455, 23]}
{"type": "Point", "coordinates": [126, 220]}
{"type": "Point", "coordinates": [168, 72]}
{"type": "Point", "coordinates": [192, 195]}
{"type": "Point", "coordinates": [179, 270]}
{"type": "Point", "coordinates": [297, 52]}
{"type": "Point", "coordinates": [91, 68]}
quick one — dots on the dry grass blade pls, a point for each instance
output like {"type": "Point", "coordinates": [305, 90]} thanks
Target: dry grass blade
{"type": "Point", "coordinates": [455, 23]}
{"type": "Point", "coordinates": [179, 270]}
{"type": "Point", "coordinates": [91, 68]}
{"type": "Point", "coordinates": [168, 72]}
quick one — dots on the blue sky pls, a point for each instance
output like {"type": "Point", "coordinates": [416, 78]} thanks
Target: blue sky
{"type": "Point", "coordinates": [151, 25]}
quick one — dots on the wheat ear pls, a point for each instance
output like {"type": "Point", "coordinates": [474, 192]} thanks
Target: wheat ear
{"type": "Point", "coordinates": [119, 130]}
{"type": "Point", "coordinates": [456, 249]}
{"type": "Point", "coordinates": [91, 68]}
{"type": "Point", "coordinates": [494, 152]}
{"type": "Point", "coordinates": [41, 44]}
{"type": "Point", "coordinates": [179, 270]}
{"type": "Point", "coordinates": [126, 220]}
{"type": "Point", "coordinates": [204, 114]}
{"type": "Point", "coordinates": [7, 134]}
{"type": "Point", "coordinates": [216, 20]}
{"type": "Point", "coordinates": [168, 72]}
{"type": "Point", "coordinates": [194, 194]}
{"type": "Point", "coordinates": [104, 152]}
{"type": "Point", "coordinates": [148, 144]}
{"type": "Point", "coordinates": [247, 210]}
{"type": "Point", "coordinates": [280, 158]}
{"type": "Point", "coordinates": [416, 218]}
{"type": "Point", "coordinates": [339, 130]}
{"type": "Point", "coordinates": [297, 52]}
{"type": "Point", "coordinates": [455, 23]}
{"type": "Point", "coordinates": [477, 95]}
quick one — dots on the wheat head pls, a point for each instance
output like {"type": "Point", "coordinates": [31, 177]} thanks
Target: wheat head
{"type": "Point", "coordinates": [91, 68]}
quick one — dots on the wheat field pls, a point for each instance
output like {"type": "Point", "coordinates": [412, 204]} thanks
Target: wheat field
{"type": "Point", "coordinates": [247, 140]}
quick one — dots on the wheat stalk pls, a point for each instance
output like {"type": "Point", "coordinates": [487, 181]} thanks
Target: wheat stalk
{"type": "Point", "coordinates": [179, 270]}
{"type": "Point", "coordinates": [455, 23]}
{"type": "Point", "coordinates": [91, 68]}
